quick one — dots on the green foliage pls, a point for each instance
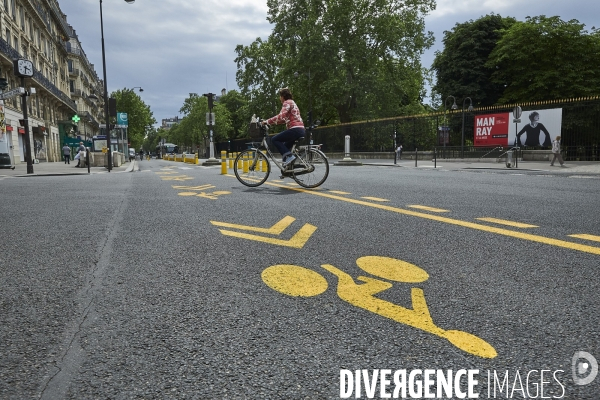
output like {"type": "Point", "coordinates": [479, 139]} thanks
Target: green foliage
{"type": "Point", "coordinates": [545, 58]}
{"type": "Point", "coordinates": [239, 111]}
{"type": "Point", "coordinates": [140, 118]}
{"type": "Point", "coordinates": [359, 59]}
{"type": "Point", "coordinates": [192, 130]}
{"type": "Point", "coordinates": [461, 67]}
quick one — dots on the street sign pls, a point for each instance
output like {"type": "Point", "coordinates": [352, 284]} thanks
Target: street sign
{"type": "Point", "coordinates": [12, 93]}
{"type": "Point", "coordinates": [517, 112]}
{"type": "Point", "coordinates": [210, 118]}
{"type": "Point", "coordinates": [105, 149]}
{"type": "Point", "coordinates": [517, 120]}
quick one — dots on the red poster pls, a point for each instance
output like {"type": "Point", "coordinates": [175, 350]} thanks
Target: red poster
{"type": "Point", "coordinates": [491, 130]}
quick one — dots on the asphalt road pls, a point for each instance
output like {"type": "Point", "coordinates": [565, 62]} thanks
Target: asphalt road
{"type": "Point", "coordinates": [177, 282]}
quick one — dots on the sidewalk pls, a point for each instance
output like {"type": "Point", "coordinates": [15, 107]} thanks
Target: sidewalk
{"type": "Point", "coordinates": [570, 168]}
{"type": "Point", "coordinates": [60, 168]}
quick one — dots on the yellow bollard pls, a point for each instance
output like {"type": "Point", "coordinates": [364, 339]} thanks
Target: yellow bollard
{"type": "Point", "coordinates": [223, 162]}
{"type": "Point", "coordinates": [230, 160]}
{"type": "Point", "coordinates": [239, 166]}
{"type": "Point", "coordinates": [265, 167]}
{"type": "Point", "coordinates": [245, 163]}
{"type": "Point", "coordinates": [196, 158]}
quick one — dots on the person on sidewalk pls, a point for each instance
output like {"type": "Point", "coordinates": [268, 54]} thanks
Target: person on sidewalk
{"type": "Point", "coordinates": [556, 152]}
{"type": "Point", "coordinates": [67, 154]}
{"type": "Point", "coordinates": [80, 153]}
{"type": "Point", "coordinates": [290, 115]}
{"type": "Point", "coordinates": [399, 151]}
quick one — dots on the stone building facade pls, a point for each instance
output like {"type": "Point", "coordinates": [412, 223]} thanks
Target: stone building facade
{"type": "Point", "coordinates": [63, 80]}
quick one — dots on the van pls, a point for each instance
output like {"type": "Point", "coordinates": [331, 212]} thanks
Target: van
{"type": "Point", "coordinates": [131, 154]}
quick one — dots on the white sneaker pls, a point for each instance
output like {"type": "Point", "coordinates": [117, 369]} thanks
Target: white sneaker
{"type": "Point", "coordinates": [289, 160]}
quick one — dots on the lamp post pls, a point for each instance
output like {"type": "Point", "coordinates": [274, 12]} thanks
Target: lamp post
{"type": "Point", "coordinates": [462, 141]}
{"type": "Point", "coordinates": [454, 107]}
{"type": "Point", "coordinates": [106, 116]}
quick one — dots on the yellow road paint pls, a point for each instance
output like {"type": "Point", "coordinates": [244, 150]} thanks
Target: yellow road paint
{"type": "Point", "coordinates": [187, 193]}
{"type": "Point", "coordinates": [202, 187]}
{"type": "Point", "coordinates": [338, 192]}
{"type": "Point", "coordinates": [176, 178]}
{"type": "Point", "coordinates": [485, 228]}
{"type": "Point", "coordinates": [166, 173]}
{"type": "Point", "coordinates": [432, 209]}
{"type": "Point", "coordinates": [297, 281]}
{"type": "Point", "coordinates": [586, 237]}
{"type": "Point", "coordinates": [506, 222]}
{"type": "Point", "coordinates": [297, 241]}
{"type": "Point", "coordinates": [374, 199]}
{"type": "Point", "coordinates": [276, 229]}
{"type": "Point", "coordinates": [294, 281]}
{"type": "Point", "coordinates": [392, 269]}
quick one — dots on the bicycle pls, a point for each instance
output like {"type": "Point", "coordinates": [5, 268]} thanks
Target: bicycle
{"type": "Point", "coordinates": [310, 168]}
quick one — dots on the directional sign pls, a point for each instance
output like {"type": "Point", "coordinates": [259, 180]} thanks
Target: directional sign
{"type": "Point", "coordinates": [12, 93]}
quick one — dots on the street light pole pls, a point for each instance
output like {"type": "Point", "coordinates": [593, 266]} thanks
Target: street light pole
{"type": "Point", "coordinates": [454, 107]}
{"type": "Point", "coordinates": [106, 116]}
{"type": "Point", "coordinates": [462, 141]}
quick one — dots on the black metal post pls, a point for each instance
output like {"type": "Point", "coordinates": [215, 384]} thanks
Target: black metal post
{"type": "Point", "coordinates": [26, 126]}
{"type": "Point", "coordinates": [87, 158]}
{"type": "Point", "coordinates": [435, 157]}
{"type": "Point", "coordinates": [416, 156]}
{"type": "Point", "coordinates": [106, 117]}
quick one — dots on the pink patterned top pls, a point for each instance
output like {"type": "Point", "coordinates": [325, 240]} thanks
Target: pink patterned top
{"type": "Point", "coordinates": [289, 114]}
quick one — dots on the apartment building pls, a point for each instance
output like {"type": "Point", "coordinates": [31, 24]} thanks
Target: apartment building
{"type": "Point", "coordinates": [63, 79]}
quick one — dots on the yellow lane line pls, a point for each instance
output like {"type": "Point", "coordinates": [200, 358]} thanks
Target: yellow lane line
{"type": "Point", "coordinates": [432, 209]}
{"type": "Point", "coordinates": [465, 224]}
{"type": "Point", "coordinates": [338, 192]}
{"type": "Point", "coordinates": [374, 199]}
{"type": "Point", "coordinates": [586, 237]}
{"type": "Point", "coordinates": [506, 222]}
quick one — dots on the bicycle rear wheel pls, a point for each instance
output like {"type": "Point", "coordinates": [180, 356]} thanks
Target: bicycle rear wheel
{"type": "Point", "coordinates": [251, 167]}
{"type": "Point", "coordinates": [312, 169]}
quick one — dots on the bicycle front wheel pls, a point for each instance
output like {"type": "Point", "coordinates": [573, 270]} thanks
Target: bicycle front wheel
{"type": "Point", "coordinates": [251, 167]}
{"type": "Point", "coordinates": [312, 169]}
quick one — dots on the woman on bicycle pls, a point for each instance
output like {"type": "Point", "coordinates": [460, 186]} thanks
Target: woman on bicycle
{"type": "Point", "coordinates": [290, 115]}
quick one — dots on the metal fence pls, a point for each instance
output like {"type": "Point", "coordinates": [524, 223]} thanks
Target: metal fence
{"type": "Point", "coordinates": [580, 131]}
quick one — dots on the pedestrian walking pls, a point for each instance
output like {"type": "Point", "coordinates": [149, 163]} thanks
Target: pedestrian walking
{"type": "Point", "coordinates": [399, 151]}
{"type": "Point", "coordinates": [80, 153]}
{"type": "Point", "coordinates": [556, 152]}
{"type": "Point", "coordinates": [67, 154]}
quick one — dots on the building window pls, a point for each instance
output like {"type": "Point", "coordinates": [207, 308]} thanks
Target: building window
{"type": "Point", "coordinates": [72, 86]}
{"type": "Point", "coordinates": [16, 42]}
{"type": "Point", "coordinates": [22, 15]}
{"type": "Point", "coordinates": [7, 36]}
{"type": "Point", "coordinates": [70, 63]}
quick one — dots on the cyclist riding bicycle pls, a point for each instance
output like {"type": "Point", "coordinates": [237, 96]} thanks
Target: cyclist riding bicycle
{"type": "Point", "coordinates": [290, 115]}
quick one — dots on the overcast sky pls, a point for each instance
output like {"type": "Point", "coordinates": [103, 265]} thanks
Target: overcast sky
{"type": "Point", "coordinates": [175, 47]}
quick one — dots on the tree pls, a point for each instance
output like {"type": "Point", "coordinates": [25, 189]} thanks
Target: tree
{"type": "Point", "coordinates": [239, 111]}
{"type": "Point", "coordinates": [192, 129]}
{"type": "Point", "coordinates": [360, 58]}
{"type": "Point", "coordinates": [138, 113]}
{"type": "Point", "coordinates": [461, 67]}
{"type": "Point", "coordinates": [545, 58]}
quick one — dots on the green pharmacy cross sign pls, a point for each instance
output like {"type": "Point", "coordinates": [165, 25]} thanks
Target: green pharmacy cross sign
{"type": "Point", "coordinates": [76, 118]}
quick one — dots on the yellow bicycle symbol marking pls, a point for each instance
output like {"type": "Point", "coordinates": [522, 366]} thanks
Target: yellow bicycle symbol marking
{"type": "Point", "coordinates": [297, 281]}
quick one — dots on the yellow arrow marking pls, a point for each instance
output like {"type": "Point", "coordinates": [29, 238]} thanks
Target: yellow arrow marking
{"type": "Point", "coordinates": [274, 230]}
{"type": "Point", "coordinates": [432, 209]}
{"type": "Point", "coordinates": [297, 241]}
{"type": "Point", "coordinates": [586, 237]}
{"type": "Point", "coordinates": [166, 173]}
{"type": "Point", "coordinates": [509, 223]}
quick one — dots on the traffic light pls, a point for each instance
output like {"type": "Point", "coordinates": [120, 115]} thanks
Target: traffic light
{"type": "Point", "coordinates": [210, 100]}
{"type": "Point", "coordinates": [112, 107]}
